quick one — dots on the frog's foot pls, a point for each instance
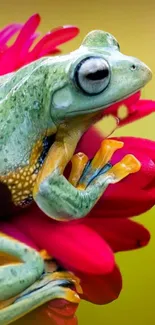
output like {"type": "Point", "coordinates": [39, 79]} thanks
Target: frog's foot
{"type": "Point", "coordinates": [65, 200]}
{"type": "Point", "coordinates": [56, 285]}
{"type": "Point", "coordinates": [84, 171]}
{"type": "Point", "coordinates": [25, 268]}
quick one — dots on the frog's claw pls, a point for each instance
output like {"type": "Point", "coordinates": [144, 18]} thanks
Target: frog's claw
{"type": "Point", "coordinates": [61, 200]}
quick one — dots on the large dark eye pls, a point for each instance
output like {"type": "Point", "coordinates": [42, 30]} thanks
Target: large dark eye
{"type": "Point", "coordinates": [92, 75]}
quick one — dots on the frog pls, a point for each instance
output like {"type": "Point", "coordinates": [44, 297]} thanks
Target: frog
{"type": "Point", "coordinates": [45, 109]}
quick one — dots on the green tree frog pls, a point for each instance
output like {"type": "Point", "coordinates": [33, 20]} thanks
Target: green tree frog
{"type": "Point", "coordinates": [45, 107]}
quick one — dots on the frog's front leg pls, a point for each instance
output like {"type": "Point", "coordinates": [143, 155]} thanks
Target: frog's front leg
{"type": "Point", "coordinates": [64, 200]}
{"type": "Point", "coordinates": [14, 278]}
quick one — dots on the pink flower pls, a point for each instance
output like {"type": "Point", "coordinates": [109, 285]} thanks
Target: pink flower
{"type": "Point", "coordinates": [85, 247]}
{"type": "Point", "coordinates": [21, 52]}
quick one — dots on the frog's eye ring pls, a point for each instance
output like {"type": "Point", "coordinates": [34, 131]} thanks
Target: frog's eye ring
{"type": "Point", "coordinates": [92, 75]}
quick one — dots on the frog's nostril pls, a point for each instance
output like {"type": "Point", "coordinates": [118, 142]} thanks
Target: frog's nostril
{"type": "Point", "coordinates": [133, 67]}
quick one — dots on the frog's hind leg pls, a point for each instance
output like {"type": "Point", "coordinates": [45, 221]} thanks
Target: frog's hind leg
{"type": "Point", "coordinates": [64, 200]}
{"type": "Point", "coordinates": [51, 285]}
{"type": "Point", "coordinates": [16, 277]}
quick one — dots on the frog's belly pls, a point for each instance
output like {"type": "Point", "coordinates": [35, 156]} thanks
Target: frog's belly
{"type": "Point", "coordinates": [16, 191]}
{"type": "Point", "coordinates": [16, 187]}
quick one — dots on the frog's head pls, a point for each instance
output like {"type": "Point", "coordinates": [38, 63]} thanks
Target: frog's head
{"type": "Point", "coordinates": [96, 76]}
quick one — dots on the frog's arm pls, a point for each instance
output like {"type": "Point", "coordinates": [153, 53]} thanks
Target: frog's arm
{"type": "Point", "coordinates": [65, 200]}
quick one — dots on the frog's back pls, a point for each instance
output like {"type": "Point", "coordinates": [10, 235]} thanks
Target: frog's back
{"type": "Point", "coordinates": [22, 116]}
{"type": "Point", "coordinates": [11, 80]}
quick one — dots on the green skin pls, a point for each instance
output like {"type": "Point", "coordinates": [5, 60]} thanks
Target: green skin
{"type": "Point", "coordinates": [45, 95]}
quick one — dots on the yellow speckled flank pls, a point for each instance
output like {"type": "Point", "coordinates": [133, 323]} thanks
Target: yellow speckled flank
{"type": "Point", "coordinates": [21, 181]}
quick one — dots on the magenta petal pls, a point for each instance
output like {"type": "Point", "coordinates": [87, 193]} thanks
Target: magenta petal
{"type": "Point", "coordinates": [54, 39]}
{"type": "Point", "coordinates": [139, 110]}
{"type": "Point", "coordinates": [136, 109]}
{"type": "Point", "coordinates": [26, 47]}
{"type": "Point", "coordinates": [129, 102]}
{"type": "Point", "coordinates": [90, 142]}
{"type": "Point", "coordinates": [48, 50]}
{"type": "Point", "coordinates": [75, 246]}
{"type": "Point", "coordinates": [8, 32]}
{"type": "Point", "coordinates": [27, 31]}
{"type": "Point", "coordinates": [8, 65]}
{"type": "Point", "coordinates": [11, 230]}
{"type": "Point", "coordinates": [118, 204]}
{"type": "Point", "coordinates": [18, 54]}
{"type": "Point", "coordinates": [101, 289]}
{"type": "Point", "coordinates": [120, 234]}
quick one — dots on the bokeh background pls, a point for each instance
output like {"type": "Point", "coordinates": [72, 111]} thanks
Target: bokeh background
{"type": "Point", "coordinates": [133, 24]}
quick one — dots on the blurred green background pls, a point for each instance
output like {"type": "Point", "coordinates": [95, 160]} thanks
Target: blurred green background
{"type": "Point", "coordinates": [133, 24]}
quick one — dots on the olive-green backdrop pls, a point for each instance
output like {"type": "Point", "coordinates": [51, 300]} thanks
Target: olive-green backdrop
{"type": "Point", "coordinates": [133, 24]}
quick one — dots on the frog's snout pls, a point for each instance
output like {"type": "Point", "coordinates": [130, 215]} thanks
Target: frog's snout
{"type": "Point", "coordinates": [142, 70]}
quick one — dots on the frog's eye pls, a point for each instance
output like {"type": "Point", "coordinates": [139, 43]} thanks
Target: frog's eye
{"type": "Point", "coordinates": [92, 75]}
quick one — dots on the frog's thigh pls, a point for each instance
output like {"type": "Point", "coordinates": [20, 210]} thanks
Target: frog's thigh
{"type": "Point", "coordinates": [17, 276]}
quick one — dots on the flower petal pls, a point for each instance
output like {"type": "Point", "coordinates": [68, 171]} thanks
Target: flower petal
{"type": "Point", "coordinates": [137, 111]}
{"type": "Point", "coordinates": [14, 51]}
{"type": "Point", "coordinates": [25, 48]}
{"type": "Point", "coordinates": [84, 250]}
{"type": "Point", "coordinates": [120, 205]}
{"type": "Point", "coordinates": [90, 142]}
{"type": "Point", "coordinates": [11, 230]}
{"type": "Point", "coordinates": [7, 32]}
{"type": "Point", "coordinates": [120, 234]}
{"type": "Point", "coordinates": [101, 289]}
{"type": "Point", "coordinates": [54, 38]}
{"type": "Point", "coordinates": [27, 31]}
{"type": "Point", "coordinates": [19, 50]}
